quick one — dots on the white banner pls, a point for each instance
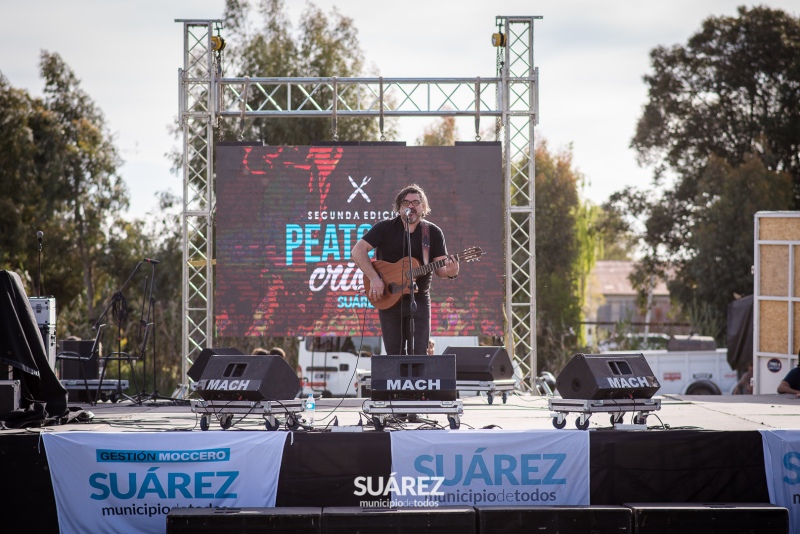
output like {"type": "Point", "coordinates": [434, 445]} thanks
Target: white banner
{"type": "Point", "coordinates": [128, 482]}
{"type": "Point", "coordinates": [782, 465]}
{"type": "Point", "coordinates": [489, 468]}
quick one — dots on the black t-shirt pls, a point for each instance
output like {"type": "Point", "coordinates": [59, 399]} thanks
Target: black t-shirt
{"type": "Point", "coordinates": [793, 378]}
{"type": "Point", "coordinates": [388, 238]}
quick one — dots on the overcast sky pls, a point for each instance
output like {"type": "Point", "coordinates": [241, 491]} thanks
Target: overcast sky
{"type": "Point", "coordinates": [591, 57]}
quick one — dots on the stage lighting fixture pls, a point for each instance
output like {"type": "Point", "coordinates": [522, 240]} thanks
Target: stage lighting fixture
{"type": "Point", "coordinates": [217, 43]}
{"type": "Point", "coordinates": [498, 39]}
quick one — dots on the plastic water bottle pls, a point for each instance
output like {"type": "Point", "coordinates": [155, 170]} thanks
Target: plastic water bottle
{"type": "Point", "coordinates": [311, 406]}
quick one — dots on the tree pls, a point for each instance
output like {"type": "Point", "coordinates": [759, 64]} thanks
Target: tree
{"type": "Point", "coordinates": [704, 250]}
{"type": "Point", "coordinates": [59, 175]}
{"type": "Point", "coordinates": [20, 190]}
{"type": "Point", "coordinates": [561, 260]}
{"type": "Point", "coordinates": [80, 170]}
{"type": "Point", "coordinates": [723, 119]}
{"type": "Point", "coordinates": [732, 91]}
{"type": "Point", "coordinates": [722, 234]}
{"type": "Point", "coordinates": [443, 132]}
{"type": "Point", "coordinates": [322, 46]}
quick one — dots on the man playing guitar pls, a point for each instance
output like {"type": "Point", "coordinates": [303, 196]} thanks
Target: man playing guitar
{"type": "Point", "coordinates": [388, 238]}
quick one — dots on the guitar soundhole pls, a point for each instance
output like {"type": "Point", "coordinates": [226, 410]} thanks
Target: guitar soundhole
{"type": "Point", "coordinates": [395, 288]}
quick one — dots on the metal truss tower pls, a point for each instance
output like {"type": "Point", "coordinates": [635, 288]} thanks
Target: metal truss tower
{"type": "Point", "coordinates": [206, 97]}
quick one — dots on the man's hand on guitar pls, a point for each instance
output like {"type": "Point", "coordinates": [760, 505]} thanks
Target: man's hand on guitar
{"type": "Point", "coordinates": [376, 288]}
{"type": "Point", "coordinates": [451, 267]}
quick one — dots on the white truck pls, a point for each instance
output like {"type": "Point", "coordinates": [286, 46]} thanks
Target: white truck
{"type": "Point", "coordinates": [328, 366]}
{"type": "Point", "coordinates": [691, 372]}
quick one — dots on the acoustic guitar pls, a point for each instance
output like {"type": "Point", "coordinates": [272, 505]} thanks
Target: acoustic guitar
{"type": "Point", "coordinates": [395, 276]}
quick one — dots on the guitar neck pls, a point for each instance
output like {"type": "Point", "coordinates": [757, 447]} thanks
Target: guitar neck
{"type": "Point", "coordinates": [430, 267]}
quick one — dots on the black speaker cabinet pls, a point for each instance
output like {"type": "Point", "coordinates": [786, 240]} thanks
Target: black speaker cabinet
{"type": "Point", "coordinates": [414, 377]}
{"type": "Point", "coordinates": [607, 376]}
{"type": "Point", "coordinates": [481, 363]}
{"type": "Point", "coordinates": [444, 520]}
{"type": "Point", "coordinates": [554, 519]}
{"type": "Point", "coordinates": [248, 377]}
{"type": "Point", "coordinates": [71, 369]}
{"type": "Point", "coordinates": [244, 520]}
{"type": "Point", "coordinates": [196, 370]}
{"type": "Point", "coordinates": [719, 518]}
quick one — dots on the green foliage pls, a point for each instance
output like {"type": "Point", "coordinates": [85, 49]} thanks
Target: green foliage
{"type": "Point", "coordinates": [21, 118]}
{"type": "Point", "coordinates": [60, 176]}
{"type": "Point", "coordinates": [611, 235]}
{"type": "Point", "coordinates": [732, 91]}
{"type": "Point", "coordinates": [721, 234]}
{"type": "Point", "coordinates": [561, 259]}
{"type": "Point", "coordinates": [324, 45]}
{"type": "Point", "coordinates": [723, 118]}
{"type": "Point", "coordinates": [706, 319]}
{"type": "Point", "coordinates": [703, 247]}
{"type": "Point", "coordinates": [443, 132]}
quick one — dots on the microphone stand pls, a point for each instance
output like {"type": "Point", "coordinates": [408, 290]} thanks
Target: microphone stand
{"type": "Point", "coordinates": [143, 323]}
{"type": "Point", "coordinates": [115, 298]}
{"type": "Point", "coordinates": [413, 306]}
{"type": "Point", "coordinates": [39, 236]}
{"type": "Point", "coordinates": [147, 324]}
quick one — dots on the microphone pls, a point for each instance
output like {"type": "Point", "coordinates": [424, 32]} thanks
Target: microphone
{"type": "Point", "coordinates": [154, 262]}
{"type": "Point", "coordinates": [39, 236]}
{"type": "Point", "coordinates": [408, 210]}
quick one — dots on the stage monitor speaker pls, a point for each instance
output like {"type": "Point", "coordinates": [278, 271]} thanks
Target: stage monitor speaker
{"type": "Point", "coordinates": [196, 370]}
{"type": "Point", "coordinates": [414, 377]}
{"type": "Point", "coordinates": [248, 377]}
{"type": "Point", "coordinates": [444, 520]}
{"type": "Point", "coordinates": [716, 518]}
{"type": "Point", "coordinates": [71, 369]}
{"type": "Point", "coordinates": [554, 519]}
{"type": "Point", "coordinates": [607, 376]}
{"type": "Point", "coordinates": [481, 363]}
{"type": "Point", "coordinates": [244, 520]}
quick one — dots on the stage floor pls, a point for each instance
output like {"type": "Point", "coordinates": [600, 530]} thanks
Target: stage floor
{"type": "Point", "coordinates": [521, 412]}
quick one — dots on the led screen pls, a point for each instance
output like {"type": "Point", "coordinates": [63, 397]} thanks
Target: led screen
{"type": "Point", "coordinates": [286, 219]}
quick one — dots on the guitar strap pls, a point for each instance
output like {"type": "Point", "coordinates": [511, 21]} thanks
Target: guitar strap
{"type": "Point", "coordinates": [426, 242]}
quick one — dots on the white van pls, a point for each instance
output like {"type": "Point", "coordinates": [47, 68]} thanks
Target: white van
{"type": "Point", "coordinates": [328, 365]}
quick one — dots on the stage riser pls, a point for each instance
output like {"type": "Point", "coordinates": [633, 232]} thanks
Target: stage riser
{"type": "Point", "coordinates": [555, 520]}
{"type": "Point", "coordinates": [245, 520]}
{"type": "Point", "coordinates": [679, 466]}
{"type": "Point", "coordinates": [637, 519]}
{"type": "Point", "coordinates": [710, 519]}
{"type": "Point", "coordinates": [456, 520]}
